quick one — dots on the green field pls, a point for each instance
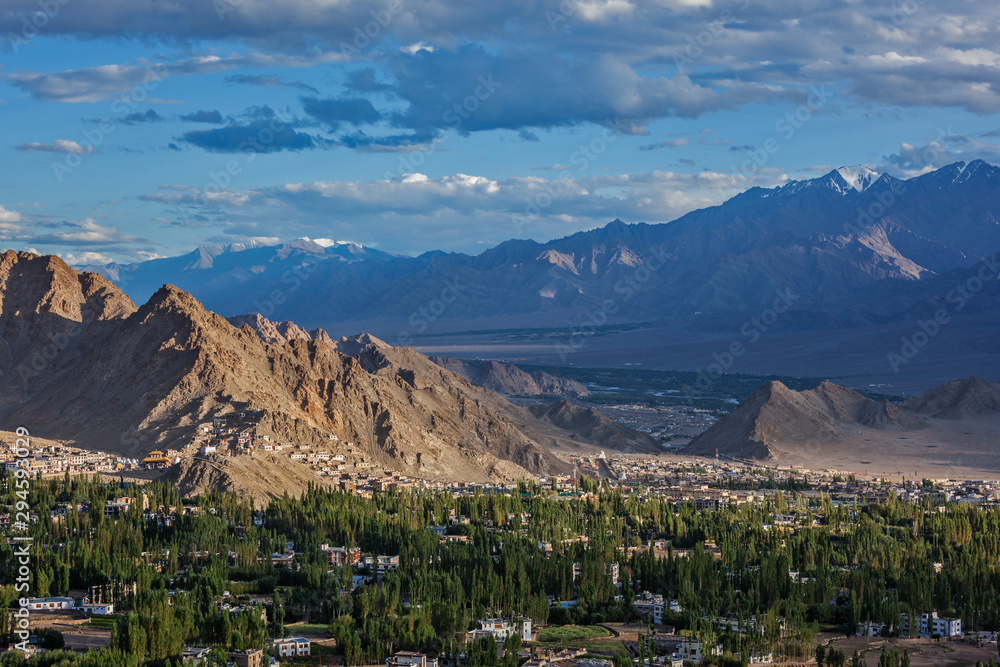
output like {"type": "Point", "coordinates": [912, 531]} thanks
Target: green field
{"type": "Point", "coordinates": [591, 638]}
{"type": "Point", "coordinates": [102, 621]}
{"type": "Point", "coordinates": [571, 633]}
{"type": "Point", "coordinates": [307, 629]}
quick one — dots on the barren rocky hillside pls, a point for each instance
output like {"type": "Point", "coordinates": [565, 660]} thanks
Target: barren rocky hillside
{"type": "Point", "coordinates": [511, 380]}
{"type": "Point", "coordinates": [776, 420]}
{"type": "Point", "coordinates": [593, 426]}
{"type": "Point", "coordinates": [130, 380]}
{"type": "Point", "coordinates": [971, 398]}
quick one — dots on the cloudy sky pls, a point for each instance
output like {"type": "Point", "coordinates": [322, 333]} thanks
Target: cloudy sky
{"type": "Point", "coordinates": [143, 128]}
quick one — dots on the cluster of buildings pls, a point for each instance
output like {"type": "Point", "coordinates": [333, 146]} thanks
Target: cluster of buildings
{"type": "Point", "coordinates": [113, 507]}
{"type": "Point", "coordinates": [716, 483]}
{"type": "Point", "coordinates": [283, 648]}
{"type": "Point", "coordinates": [236, 434]}
{"type": "Point", "coordinates": [538, 658]}
{"type": "Point", "coordinates": [672, 425]}
{"type": "Point", "coordinates": [674, 650]}
{"type": "Point", "coordinates": [232, 434]}
{"type": "Point", "coordinates": [924, 625]}
{"type": "Point", "coordinates": [711, 483]}
{"type": "Point", "coordinates": [56, 460]}
{"type": "Point", "coordinates": [377, 565]}
{"type": "Point", "coordinates": [930, 625]}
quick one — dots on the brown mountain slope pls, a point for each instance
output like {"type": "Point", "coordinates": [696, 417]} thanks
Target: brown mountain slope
{"type": "Point", "coordinates": [263, 475]}
{"type": "Point", "coordinates": [45, 309]}
{"type": "Point", "coordinates": [511, 380]}
{"type": "Point", "coordinates": [592, 426]}
{"type": "Point", "coordinates": [777, 421]}
{"type": "Point", "coordinates": [270, 332]}
{"type": "Point", "coordinates": [971, 398]}
{"type": "Point", "coordinates": [579, 431]}
{"type": "Point", "coordinates": [355, 346]}
{"type": "Point", "coordinates": [133, 380]}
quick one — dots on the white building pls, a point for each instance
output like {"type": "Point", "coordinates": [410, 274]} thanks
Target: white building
{"type": "Point", "coordinates": [96, 609]}
{"type": "Point", "coordinates": [652, 606]}
{"type": "Point", "coordinates": [291, 647]}
{"type": "Point", "coordinates": [871, 629]}
{"type": "Point", "coordinates": [746, 626]}
{"type": "Point", "coordinates": [690, 649]}
{"type": "Point", "coordinates": [930, 625]}
{"type": "Point", "coordinates": [49, 604]}
{"type": "Point", "coordinates": [947, 627]}
{"type": "Point", "coordinates": [761, 657]}
{"type": "Point", "coordinates": [195, 654]}
{"type": "Point", "coordinates": [501, 628]}
{"type": "Point", "coordinates": [385, 563]}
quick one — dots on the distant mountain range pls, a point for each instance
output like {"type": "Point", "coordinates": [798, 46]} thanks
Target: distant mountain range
{"type": "Point", "coordinates": [853, 247]}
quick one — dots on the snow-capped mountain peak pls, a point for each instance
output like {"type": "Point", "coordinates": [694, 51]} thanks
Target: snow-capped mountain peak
{"type": "Point", "coordinates": [858, 177]}
{"type": "Point", "coordinates": [843, 180]}
{"type": "Point", "coordinates": [327, 243]}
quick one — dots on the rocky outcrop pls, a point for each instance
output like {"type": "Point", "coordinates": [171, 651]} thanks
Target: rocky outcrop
{"type": "Point", "coordinates": [593, 426]}
{"type": "Point", "coordinates": [510, 380]}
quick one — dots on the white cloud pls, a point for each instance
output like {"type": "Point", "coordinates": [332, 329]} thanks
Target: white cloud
{"type": "Point", "coordinates": [58, 146]}
{"type": "Point", "coordinates": [78, 242]}
{"type": "Point", "coordinates": [88, 232]}
{"type": "Point", "coordinates": [412, 49]}
{"type": "Point", "coordinates": [888, 53]}
{"type": "Point", "coordinates": [973, 57]}
{"type": "Point", "coordinates": [8, 216]}
{"type": "Point", "coordinates": [104, 82]}
{"type": "Point", "coordinates": [913, 160]}
{"type": "Point", "coordinates": [62, 234]}
{"type": "Point", "coordinates": [601, 11]}
{"type": "Point", "coordinates": [86, 258]}
{"type": "Point", "coordinates": [418, 212]}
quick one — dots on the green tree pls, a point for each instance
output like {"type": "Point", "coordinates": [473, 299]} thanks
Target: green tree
{"type": "Point", "coordinates": [512, 650]}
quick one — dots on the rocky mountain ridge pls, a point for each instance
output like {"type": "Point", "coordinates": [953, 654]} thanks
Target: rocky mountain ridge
{"type": "Point", "coordinates": [509, 380]}
{"type": "Point", "coordinates": [81, 363]}
{"type": "Point", "coordinates": [776, 422]}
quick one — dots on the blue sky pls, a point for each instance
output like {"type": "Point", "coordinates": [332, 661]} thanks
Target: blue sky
{"type": "Point", "coordinates": [144, 128]}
